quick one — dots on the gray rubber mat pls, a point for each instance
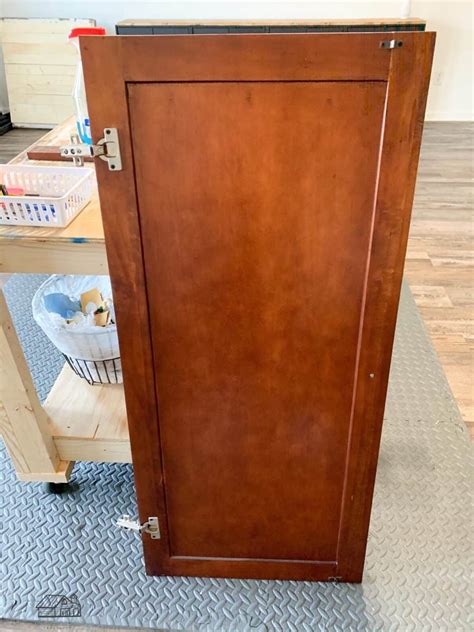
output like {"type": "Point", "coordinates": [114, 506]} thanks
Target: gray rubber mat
{"type": "Point", "coordinates": [417, 574]}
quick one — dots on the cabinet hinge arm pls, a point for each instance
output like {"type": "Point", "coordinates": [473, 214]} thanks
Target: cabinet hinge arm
{"type": "Point", "coordinates": [151, 526]}
{"type": "Point", "coordinates": [107, 148]}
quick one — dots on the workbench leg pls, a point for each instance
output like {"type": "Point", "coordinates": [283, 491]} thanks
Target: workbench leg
{"type": "Point", "coordinates": [23, 421]}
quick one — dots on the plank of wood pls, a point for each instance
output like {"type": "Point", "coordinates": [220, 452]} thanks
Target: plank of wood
{"type": "Point", "coordinates": [23, 421]}
{"type": "Point", "coordinates": [452, 346]}
{"type": "Point", "coordinates": [77, 409]}
{"type": "Point", "coordinates": [454, 227]}
{"type": "Point", "coordinates": [26, 114]}
{"type": "Point", "coordinates": [26, 70]}
{"type": "Point", "coordinates": [295, 22]}
{"type": "Point", "coordinates": [33, 54]}
{"type": "Point", "coordinates": [35, 85]}
{"type": "Point", "coordinates": [50, 152]}
{"type": "Point", "coordinates": [426, 274]}
{"type": "Point", "coordinates": [42, 25]}
{"type": "Point", "coordinates": [431, 296]}
{"type": "Point", "coordinates": [98, 450]}
{"type": "Point", "coordinates": [61, 475]}
{"type": "Point", "coordinates": [462, 295]}
{"type": "Point", "coordinates": [88, 423]}
{"type": "Point", "coordinates": [323, 61]}
{"type": "Point", "coordinates": [39, 96]}
{"type": "Point", "coordinates": [16, 140]}
{"type": "Point", "coordinates": [50, 255]}
{"type": "Point", "coordinates": [436, 325]}
{"type": "Point", "coordinates": [35, 41]}
{"type": "Point", "coordinates": [409, 78]}
{"type": "Point", "coordinates": [11, 442]}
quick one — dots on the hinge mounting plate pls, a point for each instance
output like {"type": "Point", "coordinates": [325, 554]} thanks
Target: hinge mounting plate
{"type": "Point", "coordinates": [107, 148]}
{"type": "Point", "coordinates": [151, 526]}
{"type": "Point", "coordinates": [391, 44]}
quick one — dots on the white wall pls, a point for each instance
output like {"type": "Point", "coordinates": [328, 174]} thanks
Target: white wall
{"type": "Point", "coordinates": [451, 92]}
{"type": "Point", "coordinates": [3, 85]}
{"type": "Point", "coordinates": [451, 95]}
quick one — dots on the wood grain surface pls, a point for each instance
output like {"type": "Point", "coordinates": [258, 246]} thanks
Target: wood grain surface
{"type": "Point", "coordinates": [40, 68]}
{"type": "Point", "coordinates": [254, 312]}
{"type": "Point", "coordinates": [440, 257]}
{"type": "Point", "coordinates": [219, 247]}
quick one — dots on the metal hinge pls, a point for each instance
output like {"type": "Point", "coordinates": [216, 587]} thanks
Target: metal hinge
{"type": "Point", "coordinates": [108, 149]}
{"type": "Point", "coordinates": [391, 44]}
{"type": "Point", "coordinates": [151, 526]}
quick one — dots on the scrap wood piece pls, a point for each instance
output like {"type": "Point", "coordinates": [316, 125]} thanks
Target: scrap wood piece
{"type": "Point", "coordinates": [50, 152]}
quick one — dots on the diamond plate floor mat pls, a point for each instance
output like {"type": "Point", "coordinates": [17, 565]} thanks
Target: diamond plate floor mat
{"type": "Point", "coordinates": [419, 552]}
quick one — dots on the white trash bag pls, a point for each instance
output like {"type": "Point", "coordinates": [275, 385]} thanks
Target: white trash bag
{"type": "Point", "coordinates": [91, 351]}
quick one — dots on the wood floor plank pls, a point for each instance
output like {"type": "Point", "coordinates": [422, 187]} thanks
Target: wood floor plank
{"type": "Point", "coordinates": [443, 227]}
{"type": "Point", "coordinates": [16, 141]}
{"type": "Point", "coordinates": [431, 296]}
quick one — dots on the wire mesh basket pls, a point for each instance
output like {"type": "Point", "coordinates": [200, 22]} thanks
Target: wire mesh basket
{"type": "Point", "coordinates": [93, 353]}
{"type": "Point", "coordinates": [97, 371]}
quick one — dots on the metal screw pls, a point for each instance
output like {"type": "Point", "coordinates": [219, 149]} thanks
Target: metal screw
{"type": "Point", "coordinates": [372, 375]}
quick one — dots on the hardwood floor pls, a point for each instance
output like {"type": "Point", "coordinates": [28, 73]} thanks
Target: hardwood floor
{"type": "Point", "coordinates": [16, 140]}
{"type": "Point", "coordinates": [440, 260]}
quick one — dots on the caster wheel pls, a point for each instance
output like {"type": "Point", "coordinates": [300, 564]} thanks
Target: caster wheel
{"type": "Point", "coordinates": [58, 488]}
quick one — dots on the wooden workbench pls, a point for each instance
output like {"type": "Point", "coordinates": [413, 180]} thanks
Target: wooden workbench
{"type": "Point", "coordinates": [77, 249]}
{"type": "Point", "coordinates": [77, 421]}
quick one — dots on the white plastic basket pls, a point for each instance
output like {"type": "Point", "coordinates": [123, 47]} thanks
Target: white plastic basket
{"type": "Point", "coordinates": [63, 193]}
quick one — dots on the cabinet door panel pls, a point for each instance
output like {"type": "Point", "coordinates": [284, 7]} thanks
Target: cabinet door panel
{"type": "Point", "coordinates": [256, 206]}
{"type": "Point", "coordinates": [256, 238]}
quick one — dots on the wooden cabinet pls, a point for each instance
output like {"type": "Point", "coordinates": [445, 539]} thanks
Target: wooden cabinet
{"type": "Point", "coordinates": [256, 238]}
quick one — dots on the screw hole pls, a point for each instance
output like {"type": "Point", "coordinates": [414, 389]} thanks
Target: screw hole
{"type": "Point", "coordinates": [112, 166]}
{"type": "Point", "coordinates": [107, 131]}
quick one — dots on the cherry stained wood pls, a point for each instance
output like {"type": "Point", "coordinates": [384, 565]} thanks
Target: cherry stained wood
{"type": "Point", "coordinates": [407, 92]}
{"type": "Point", "coordinates": [254, 313]}
{"type": "Point", "coordinates": [256, 238]}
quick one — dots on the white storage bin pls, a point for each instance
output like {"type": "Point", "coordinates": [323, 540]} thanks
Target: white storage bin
{"type": "Point", "coordinates": [63, 193]}
{"type": "Point", "coordinates": [93, 353]}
